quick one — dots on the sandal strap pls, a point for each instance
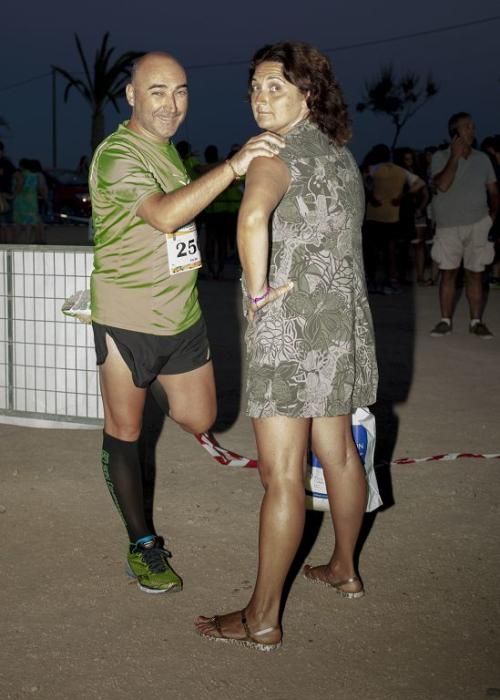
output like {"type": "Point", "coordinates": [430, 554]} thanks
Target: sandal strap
{"type": "Point", "coordinates": [243, 615]}
{"type": "Point", "coordinates": [264, 631]}
{"type": "Point", "coordinates": [216, 621]}
{"type": "Point", "coordinates": [251, 637]}
{"type": "Point", "coordinates": [353, 579]}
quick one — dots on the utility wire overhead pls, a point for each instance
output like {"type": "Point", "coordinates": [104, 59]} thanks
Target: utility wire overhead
{"type": "Point", "coordinates": [372, 42]}
{"type": "Point", "coordinates": [24, 82]}
{"type": "Point", "coordinates": [337, 49]}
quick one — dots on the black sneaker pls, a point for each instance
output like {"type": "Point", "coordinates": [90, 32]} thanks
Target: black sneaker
{"type": "Point", "coordinates": [440, 329]}
{"type": "Point", "coordinates": [481, 330]}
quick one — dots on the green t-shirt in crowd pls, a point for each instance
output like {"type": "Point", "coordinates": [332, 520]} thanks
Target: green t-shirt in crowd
{"type": "Point", "coordinates": [131, 284]}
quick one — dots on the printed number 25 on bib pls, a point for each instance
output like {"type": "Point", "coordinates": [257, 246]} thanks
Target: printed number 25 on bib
{"type": "Point", "coordinates": [183, 250]}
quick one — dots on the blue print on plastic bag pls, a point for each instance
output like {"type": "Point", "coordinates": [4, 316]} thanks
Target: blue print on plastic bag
{"type": "Point", "coordinates": [360, 435]}
{"type": "Point", "coordinates": [314, 461]}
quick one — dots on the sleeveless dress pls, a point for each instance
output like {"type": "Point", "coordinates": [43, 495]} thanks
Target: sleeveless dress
{"type": "Point", "coordinates": [311, 353]}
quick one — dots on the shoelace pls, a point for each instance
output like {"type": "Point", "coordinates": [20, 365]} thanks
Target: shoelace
{"type": "Point", "coordinates": [156, 559]}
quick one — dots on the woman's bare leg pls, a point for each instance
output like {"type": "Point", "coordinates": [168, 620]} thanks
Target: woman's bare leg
{"type": "Point", "coordinates": [345, 479]}
{"type": "Point", "coordinates": [281, 445]}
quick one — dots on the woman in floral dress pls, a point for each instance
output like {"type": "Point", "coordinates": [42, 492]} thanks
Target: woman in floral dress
{"type": "Point", "coordinates": [310, 345]}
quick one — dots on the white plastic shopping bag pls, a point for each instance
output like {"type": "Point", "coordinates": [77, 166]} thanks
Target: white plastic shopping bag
{"type": "Point", "coordinates": [78, 306]}
{"type": "Point", "coordinates": [363, 431]}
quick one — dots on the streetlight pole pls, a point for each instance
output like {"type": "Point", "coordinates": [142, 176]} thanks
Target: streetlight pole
{"type": "Point", "coordinates": [54, 119]}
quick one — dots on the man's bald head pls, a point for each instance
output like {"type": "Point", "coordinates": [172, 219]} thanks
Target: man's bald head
{"type": "Point", "coordinates": [158, 95]}
{"type": "Point", "coordinates": [151, 59]}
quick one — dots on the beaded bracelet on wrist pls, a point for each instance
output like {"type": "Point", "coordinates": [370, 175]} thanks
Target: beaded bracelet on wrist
{"type": "Point", "coordinates": [255, 300]}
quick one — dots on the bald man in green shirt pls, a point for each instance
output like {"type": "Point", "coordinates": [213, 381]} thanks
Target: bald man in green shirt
{"type": "Point", "coordinates": [147, 322]}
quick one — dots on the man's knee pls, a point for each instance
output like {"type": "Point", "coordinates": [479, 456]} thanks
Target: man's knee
{"type": "Point", "coordinates": [192, 421]}
{"type": "Point", "coordinates": [448, 277]}
{"type": "Point", "coordinates": [128, 432]}
{"type": "Point", "coordinates": [473, 283]}
{"type": "Point", "coordinates": [473, 276]}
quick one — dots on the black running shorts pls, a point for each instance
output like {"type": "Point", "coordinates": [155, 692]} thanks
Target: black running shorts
{"type": "Point", "coordinates": [148, 355]}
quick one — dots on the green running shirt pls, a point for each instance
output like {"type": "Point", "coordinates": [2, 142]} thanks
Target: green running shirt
{"type": "Point", "coordinates": [131, 285]}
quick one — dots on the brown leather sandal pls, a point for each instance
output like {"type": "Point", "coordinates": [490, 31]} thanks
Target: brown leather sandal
{"type": "Point", "coordinates": [250, 640]}
{"type": "Point", "coordinates": [337, 585]}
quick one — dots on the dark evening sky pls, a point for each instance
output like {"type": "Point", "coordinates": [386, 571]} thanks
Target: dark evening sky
{"type": "Point", "coordinates": [215, 42]}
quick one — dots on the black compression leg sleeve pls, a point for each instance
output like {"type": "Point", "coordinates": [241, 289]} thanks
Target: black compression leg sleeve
{"type": "Point", "coordinates": [122, 471]}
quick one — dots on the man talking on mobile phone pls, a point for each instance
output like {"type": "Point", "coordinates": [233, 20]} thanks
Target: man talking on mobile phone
{"type": "Point", "coordinates": [465, 207]}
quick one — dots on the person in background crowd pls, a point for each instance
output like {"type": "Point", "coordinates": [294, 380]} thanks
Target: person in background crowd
{"type": "Point", "coordinates": [491, 146]}
{"type": "Point", "coordinates": [232, 199]}
{"type": "Point", "coordinates": [83, 166]}
{"type": "Point", "coordinates": [189, 158]}
{"type": "Point", "coordinates": [385, 184]}
{"type": "Point", "coordinates": [431, 188]}
{"type": "Point", "coordinates": [465, 207]}
{"type": "Point", "coordinates": [212, 217]}
{"type": "Point", "coordinates": [43, 200]}
{"type": "Point", "coordinates": [28, 186]}
{"type": "Point", "coordinates": [7, 171]}
{"type": "Point", "coordinates": [413, 217]}
{"type": "Point", "coordinates": [220, 219]}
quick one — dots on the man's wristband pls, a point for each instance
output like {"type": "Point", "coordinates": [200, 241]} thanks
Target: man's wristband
{"type": "Point", "coordinates": [255, 300]}
{"type": "Point", "coordinates": [236, 175]}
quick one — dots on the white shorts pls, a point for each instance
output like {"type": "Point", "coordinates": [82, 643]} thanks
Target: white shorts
{"type": "Point", "coordinates": [468, 243]}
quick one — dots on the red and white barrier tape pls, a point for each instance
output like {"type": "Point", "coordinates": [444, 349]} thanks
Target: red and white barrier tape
{"type": "Point", "coordinates": [223, 456]}
{"type": "Point", "coordinates": [233, 459]}
{"type": "Point", "coordinates": [446, 457]}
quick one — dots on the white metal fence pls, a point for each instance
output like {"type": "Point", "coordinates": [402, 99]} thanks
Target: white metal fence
{"type": "Point", "coordinates": [47, 360]}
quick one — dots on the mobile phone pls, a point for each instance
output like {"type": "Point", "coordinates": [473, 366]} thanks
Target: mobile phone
{"type": "Point", "coordinates": [454, 132]}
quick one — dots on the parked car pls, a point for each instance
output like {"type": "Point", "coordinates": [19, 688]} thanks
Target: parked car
{"type": "Point", "coordinates": [69, 197]}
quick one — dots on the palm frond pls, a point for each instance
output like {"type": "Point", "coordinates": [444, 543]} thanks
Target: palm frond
{"type": "Point", "coordinates": [71, 81]}
{"type": "Point", "coordinates": [105, 83]}
{"type": "Point", "coordinates": [83, 60]}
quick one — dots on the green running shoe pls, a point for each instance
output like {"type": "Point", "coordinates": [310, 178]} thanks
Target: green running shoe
{"type": "Point", "coordinates": [148, 563]}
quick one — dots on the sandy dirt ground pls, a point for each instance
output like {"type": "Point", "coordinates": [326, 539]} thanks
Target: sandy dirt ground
{"type": "Point", "coordinates": [73, 626]}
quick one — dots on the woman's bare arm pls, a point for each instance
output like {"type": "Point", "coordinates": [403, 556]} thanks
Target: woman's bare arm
{"type": "Point", "coordinates": [266, 182]}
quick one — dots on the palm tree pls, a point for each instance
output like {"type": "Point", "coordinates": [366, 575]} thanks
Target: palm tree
{"type": "Point", "coordinates": [399, 98]}
{"type": "Point", "coordinates": [105, 85]}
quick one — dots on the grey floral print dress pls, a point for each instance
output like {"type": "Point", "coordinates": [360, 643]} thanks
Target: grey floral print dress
{"type": "Point", "coordinates": [311, 353]}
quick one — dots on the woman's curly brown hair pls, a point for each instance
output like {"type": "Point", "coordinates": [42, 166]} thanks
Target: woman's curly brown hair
{"type": "Point", "coordinates": [310, 71]}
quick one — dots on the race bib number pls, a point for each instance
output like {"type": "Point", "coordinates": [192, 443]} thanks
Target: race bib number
{"type": "Point", "coordinates": [183, 251]}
